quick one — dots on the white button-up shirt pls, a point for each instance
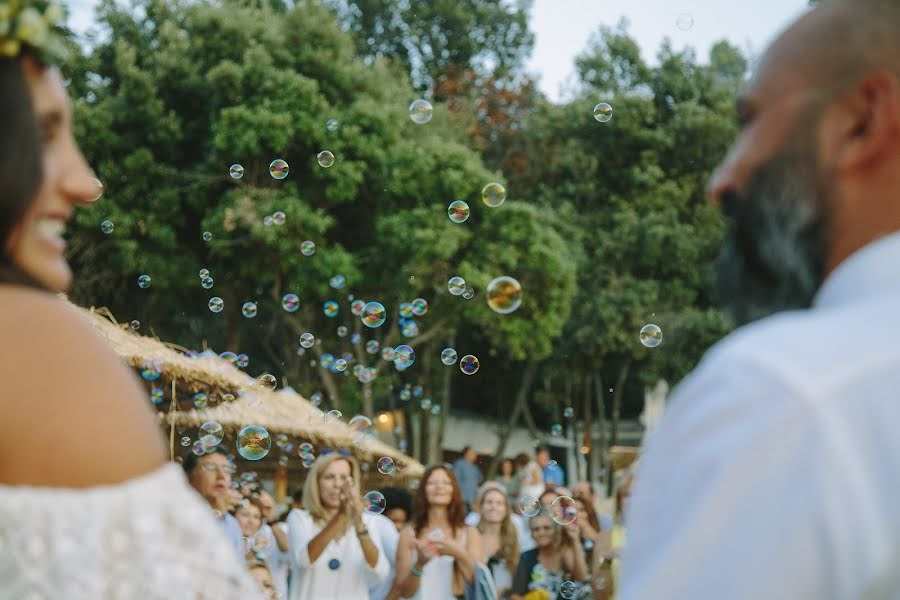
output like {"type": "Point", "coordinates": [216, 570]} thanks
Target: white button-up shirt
{"type": "Point", "coordinates": [775, 472]}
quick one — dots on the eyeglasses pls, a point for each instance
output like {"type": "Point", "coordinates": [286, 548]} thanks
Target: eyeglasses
{"type": "Point", "coordinates": [212, 467]}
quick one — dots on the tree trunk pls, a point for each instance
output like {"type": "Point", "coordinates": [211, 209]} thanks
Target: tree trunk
{"type": "Point", "coordinates": [521, 395]}
{"type": "Point", "coordinates": [617, 402]}
{"type": "Point", "coordinates": [588, 437]}
{"type": "Point", "coordinates": [600, 451]}
{"type": "Point", "coordinates": [446, 382]}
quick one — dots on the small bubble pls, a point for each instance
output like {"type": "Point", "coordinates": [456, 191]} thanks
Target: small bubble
{"type": "Point", "coordinates": [567, 590]}
{"type": "Point", "coordinates": [386, 465]}
{"type": "Point", "coordinates": [236, 171]}
{"type": "Point", "coordinates": [200, 400]}
{"type": "Point", "coordinates": [207, 236]}
{"type": "Point", "coordinates": [504, 295]}
{"type": "Point", "coordinates": [249, 309]}
{"type": "Point", "coordinates": [253, 442]}
{"type": "Point", "coordinates": [268, 381]}
{"type": "Point", "coordinates": [342, 331]}
{"type": "Point", "coordinates": [684, 21]}
{"type": "Point", "coordinates": [98, 185]}
{"type": "Point", "coordinates": [307, 340]}
{"type": "Point", "coordinates": [334, 415]}
{"type": "Point", "coordinates": [144, 282]}
{"type": "Point", "coordinates": [469, 364]}
{"type": "Point", "coordinates": [375, 502]}
{"type": "Point", "coordinates": [530, 506]}
{"type": "Point", "coordinates": [456, 285]}
{"type": "Point", "coordinates": [107, 227]}
{"type": "Point", "coordinates": [330, 308]}
{"type": "Point", "coordinates": [603, 112]}
{"type": "Point", "coordinates": [651, 335]}
{"type": "Point", "coordinates": [448, 356]}
{"type": "Point", "coordinates": [278, 169]}
{"type": "Point", "coordinates": [420, 111]}
{"type": "Point", "coordinates": [332, 124]}
{"type": "Point", "coordinates": [337, 282]}
{"type": "Point", "coordinates": [469, 293]}
{"type": "Point", "coordinates": [290, 302]}
{"type": "Point", "coordinates": [493, 195]}
{"type": "Point", "coordinates": [564, 510]}
{"type": "Point", "coordinates": [458, 211]}
{"type": "Point", "coordinates": [207, 282]}
{"type": "Point", "coordinates": [279, 218]}
{"type": "Point", "coordinates": [325, 158]}
{"type": "Point", "coordinates": [373, 314]}
{"type": "Point", "coordinates": [308, 248]}
{"type": "Point", "coordinates": [404, 357]}
{"type": "Point", "coordinates": [216, 304]}
{"type": "Point", "coordinates": [135, 325]}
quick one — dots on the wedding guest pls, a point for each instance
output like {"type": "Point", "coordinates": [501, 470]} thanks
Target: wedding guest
{"type": "Point", "coordinates": [499, 539]}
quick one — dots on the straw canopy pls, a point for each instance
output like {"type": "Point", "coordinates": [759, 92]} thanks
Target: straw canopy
{"type": "Point", "coordinates": [242, 400]}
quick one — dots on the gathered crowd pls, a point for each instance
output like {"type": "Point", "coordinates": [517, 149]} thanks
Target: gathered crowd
{"type": "Point", "coordinates": [454, 536]}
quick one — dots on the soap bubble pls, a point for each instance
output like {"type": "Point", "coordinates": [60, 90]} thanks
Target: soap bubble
{"type": "Point", "coordinates": [278, 169]}
{"type": "Point", "coordinates": [249, 309]}
{"type": "Point", "coordinates": [355, 338]}
{"type": "Point", "coordinates": [200, 400]}
{"type": "Point", "coordinates": [156, 396]}
{"type": "Point", "coordinates": [357, 306]}
{"type": "Point", "coordinates": [567, 590]}
{"type": "Point", "coordinates": [684, 21]}
{"type": "Point", "coordinates": [469, 293]}
{"type": "Point", "coordinates": [469, 364]}
{"type": "Point", "coordinates": [337, 282]}
{"type": "Point", "coordinates": [325, 158]}
{"type": "Point", "coordinates": [236, 171]}
{"type": "Point", "coordinates": [243, 360]}
{"type": "Point", "coordinates": [307, 340]}
{"type": "Point", "coordinates": [305, 449]}
{"type": "Point", "coordinates": [405, 395]}
{"type": "Point", "coordinates": [603, 112]}
{"type": "Point", "coordinates": [207, 236]}
{"type": "Point", "coordinates": [283, 461]}
{"type": "Point", "coordinates": [530, 506]}
{"type": "Point", "coordinates": [651, 335]}
{"type": "Point", "coordinates": [448, 356]}
{"type": "Point", "coordinates": [372, 346]}
{"type": "Point", "coordinates": [387, 353]}
{"type": "Point", "coordinates": [185, 441]}
{"type": "Point", "coordinates": [425, 403]}
{"type": "Point", "coordinates": [144, 282]}
{"type": "Point", "coordinates": [107, 227]}
{"type": "Point", "coordinates": [331, 124]}
{"type": "Point", "coordinates": [229, 356]}
{"type": "Point", "coordinates": [373, 314]}
{"type": "Point", "coordinates": [340, 365]}
{"type": "Point", "coordinates": [99, 187]}
{"type": "Point", "coordinates": [207, 283]}
{"type": "Point", "coordinates": [330, 308]}
{"type": "Point", "coordinates": [211, 433]}
{"type": "Point", "coordinates": [404, 356]}
{"type": "Point", "coordinates": [375, 502]}
{"type": "Point", "coordinates": [456, 285]}
{"type": "Point", "coordinates": [290, 302]}
{"type": "Point", "coordinates": [493, 194]}
{"type": "Point", "coordinates": [268, 221]}
{"type": "Point", "coordinates": [436, 409]}
{"type": "Point", "coordinates": [279, 218]}
{"type": "Point", "coordinates": [556, 430]}
{"type": "Point", "coordinates": [135, 325]}
{"type": "Point", "coordinates": [333, 415]}
{"type": "Point", "coordinates": [504, 295]}
{"type": "Point", "coordinates": [308, 248]}
{"type": "Point", "coordinates": [327, 360]}
{"type": "Point", "coordinates": [151, 369]}
{"type": "Point", "coordinates": [281, 440]}
{"type": "Point", "coordinates": [458, 211]}
{"type": "Point", "coordinates": [568, 412]}
{"type": "Point", "coordinates": [268, 381]}
{"type": "Point", "coordinates": [419, 307]}
{"type": "Point", "coordinates": [406, 310]}
{"type": "Point", "coordinates": [203, 273]}
{"type": "Point", "coordinates": [410, 329]}
{"type": "Point", "coordinates": [564, 510]}
{"type": "Point", "coordinates": [420, 111]}
{"type": "Point", "coordinates": [386, 465]}
{"type": "Point", "coordinates": [253, 442]}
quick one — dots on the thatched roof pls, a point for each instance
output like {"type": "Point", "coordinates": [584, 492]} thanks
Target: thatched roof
{"type": "Point", "coordinates": [283, 411]}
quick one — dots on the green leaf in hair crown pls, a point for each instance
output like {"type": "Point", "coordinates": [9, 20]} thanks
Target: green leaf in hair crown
{"type": "Point", "coordinates": [34, 26]}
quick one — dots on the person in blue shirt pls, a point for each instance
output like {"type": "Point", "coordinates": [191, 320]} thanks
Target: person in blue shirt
{"type": "Point", "coordinates": [468, 475]}
{"type": "Point", "coordinates": [553, 473]}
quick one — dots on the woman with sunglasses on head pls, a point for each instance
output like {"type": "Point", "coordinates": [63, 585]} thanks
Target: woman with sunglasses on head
{"type": "Point", "coordinates": [438, 554]}
{"type": "Point", "coordinates": [332, 553]}
{"type": "Point", "coordinates": [552, 563]}
{"type": "Point", "coordinates": [124, 523]}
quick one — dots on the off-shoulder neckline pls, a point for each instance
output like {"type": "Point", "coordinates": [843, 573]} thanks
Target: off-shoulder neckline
{"type": "Point", "coordinates": [167, 470]}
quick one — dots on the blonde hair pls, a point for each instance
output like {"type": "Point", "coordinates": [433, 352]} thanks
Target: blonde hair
{"type": "Point", "coordinates": [509, 539]}
{"type": "Point", "coordinates": [311, 500]}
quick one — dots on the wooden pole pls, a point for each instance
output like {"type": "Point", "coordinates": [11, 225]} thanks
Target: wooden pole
{"type": "Point", "coordinates": [172, 424]}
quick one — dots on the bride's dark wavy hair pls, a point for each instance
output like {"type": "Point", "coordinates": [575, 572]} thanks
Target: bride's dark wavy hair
{"type": "Point", "coordinates": [21, 162]}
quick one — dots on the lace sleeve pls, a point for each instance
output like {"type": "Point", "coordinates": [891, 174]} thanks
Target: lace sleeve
{"type": "Point", "coordinates": [150, 537]}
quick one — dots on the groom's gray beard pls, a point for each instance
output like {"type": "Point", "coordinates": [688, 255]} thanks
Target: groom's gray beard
{"type": "Point", "coordinates": [774, 254]}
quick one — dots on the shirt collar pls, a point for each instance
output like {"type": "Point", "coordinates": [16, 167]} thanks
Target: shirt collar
{"type": "Point", "coordinates": [870, 271]}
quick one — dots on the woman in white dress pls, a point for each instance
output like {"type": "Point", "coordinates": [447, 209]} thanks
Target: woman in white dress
{"type": "Point", "coordinates": [331, 551]}
{"type": "Point", "coordinates": [437, 555]}
{"type": "Point", "coordinates": [93, 510]}
{"type": "Point", "coordinates": [499, 538]}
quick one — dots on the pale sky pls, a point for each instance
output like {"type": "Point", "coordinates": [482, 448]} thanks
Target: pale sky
{"type": "Point", "coordinates": [562, 27]}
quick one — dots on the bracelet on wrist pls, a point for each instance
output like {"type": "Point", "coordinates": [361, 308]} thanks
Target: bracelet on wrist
{"type": "Point", "coordinates": [415, 571]}
{"type": "Point", "coordinates": [362, 532]}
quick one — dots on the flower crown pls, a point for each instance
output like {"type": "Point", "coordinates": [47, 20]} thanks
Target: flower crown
{"type": "Point", "coordinates": [35, 25]}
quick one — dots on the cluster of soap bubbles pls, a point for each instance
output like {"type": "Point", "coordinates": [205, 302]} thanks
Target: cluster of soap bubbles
{"type": "Point", "coordinates": [206, 280]}
{"type": "Point", "coordinates": [276, 218]}
{"type": "Point", "coordinates": [307, 454]}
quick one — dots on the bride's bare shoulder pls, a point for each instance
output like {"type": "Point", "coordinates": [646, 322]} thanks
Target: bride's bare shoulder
{"type": "Point", "coordinates": [60, 382]}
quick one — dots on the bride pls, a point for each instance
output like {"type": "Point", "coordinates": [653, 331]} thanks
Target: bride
{"type": "Point", "coordinates": [88, 505]}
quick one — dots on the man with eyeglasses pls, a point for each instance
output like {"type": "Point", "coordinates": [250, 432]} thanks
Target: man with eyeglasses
{"type": "Point", "coordinates": [210, 474]}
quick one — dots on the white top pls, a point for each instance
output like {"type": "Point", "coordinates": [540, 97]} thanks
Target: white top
{"type": "Point", "coordinates": [775, 472]}
{"type": "Point", "coordinates": [318, 581]}
{"type": "Point", "coordinates": [385, 533]}
{"type": "Point", "coordinates": [151, 537]}
{"type": "Point", "coordinates": [436, 582]}
{"type": "Point", "coordinates": [523, 531]}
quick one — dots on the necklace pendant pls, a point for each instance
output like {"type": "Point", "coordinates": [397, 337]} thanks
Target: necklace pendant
{"type": "Point", "coordinates": [334, 564]}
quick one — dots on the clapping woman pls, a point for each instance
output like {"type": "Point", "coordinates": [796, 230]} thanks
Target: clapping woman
{"type": "Point", "coordinates": [331, 551]}
{"type": "Point", "coordinates": [437, 555]}
{"type": "Point", "coordinates": [552, 563]}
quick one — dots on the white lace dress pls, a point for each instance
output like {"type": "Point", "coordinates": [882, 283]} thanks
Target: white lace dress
{"type": "Point", "coordinates": [150, 537]}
